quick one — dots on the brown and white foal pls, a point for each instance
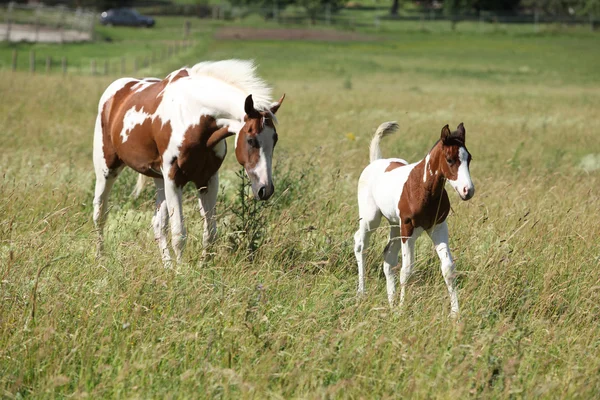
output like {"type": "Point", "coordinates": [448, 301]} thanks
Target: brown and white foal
{"type": "Point", "coordinates": [173, 130]}
{"type": "Point", "coordinates": [413, 199]}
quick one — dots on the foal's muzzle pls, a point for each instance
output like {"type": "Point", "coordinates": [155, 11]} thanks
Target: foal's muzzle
{"type": "Point", "coordinates": [466, 192]}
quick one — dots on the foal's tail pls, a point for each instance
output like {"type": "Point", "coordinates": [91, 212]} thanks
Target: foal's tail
{"type": "Point", "coordinates": [385, 129]}
{"type": "Point", "coordinates": [139, 186]}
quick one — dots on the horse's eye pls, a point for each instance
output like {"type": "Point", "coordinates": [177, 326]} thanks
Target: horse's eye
{"type": "Point", "coordinates": [253, 142]}
{"type": "Point", "coordinates": [450, 161]}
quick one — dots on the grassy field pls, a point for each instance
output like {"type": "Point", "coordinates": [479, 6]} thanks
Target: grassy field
{"type": "Point", "coordinates": [285, 322]}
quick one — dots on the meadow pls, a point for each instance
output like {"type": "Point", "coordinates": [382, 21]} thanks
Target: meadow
{"type": "Point", "coordinates": [284, 320]}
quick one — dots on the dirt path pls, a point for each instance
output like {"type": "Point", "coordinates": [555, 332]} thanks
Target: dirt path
{"type": "Point", "coordinates": [27, 33]}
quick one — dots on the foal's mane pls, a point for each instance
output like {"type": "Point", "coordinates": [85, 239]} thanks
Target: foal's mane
{"type": "Point", "coordinates": [452, 140]}
{"type": "Point", "coordinates": [240, 74]}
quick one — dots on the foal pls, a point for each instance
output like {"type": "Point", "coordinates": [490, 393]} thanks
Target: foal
{"type": "Point", "coordinates": [413, 199]}
{"type": "Point", "coordinates": [174, 130]}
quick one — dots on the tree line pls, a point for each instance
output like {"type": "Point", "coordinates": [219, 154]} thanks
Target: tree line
{"type": "Point", "coordinates": [449, 7]}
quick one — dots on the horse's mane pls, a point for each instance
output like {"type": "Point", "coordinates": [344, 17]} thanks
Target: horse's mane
{"type": "Point", "coordinates": [238, 73]}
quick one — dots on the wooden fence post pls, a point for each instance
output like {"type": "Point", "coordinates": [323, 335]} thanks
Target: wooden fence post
{"type": "Point", "coordinates": [14, 60]}
{"type": "Point", "coordinates": [135, 65]}
{"type": "Point", "coordinates": [64, 65]}
{"type": "Point", "coordinates": [93, 67]}
{"type": "Point", "coordinates": [32, 61]}
{"type": "Point", "coordinates": [186, 28]}
{"type": "Point", "coordinates": [48, 64]}
{"type": "Point", "coordinates": [122, 65]}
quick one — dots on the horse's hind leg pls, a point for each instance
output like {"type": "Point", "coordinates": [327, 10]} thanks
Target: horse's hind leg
{"type": "Point", "coordinates": [370, 217]}
{"type": "Point", "coordinates": [102, 191]}
{"type": "Point", "coordinates": [390, 260]}
{"type": "Point", "coordinates": [107, 166]}
{"type": "Point", "coordinates": [160, 222]}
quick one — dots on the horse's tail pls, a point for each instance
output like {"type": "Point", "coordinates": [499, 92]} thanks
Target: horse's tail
{"type": "Point", "coordinates": [139, 186]}
{"type": "Point", "coordinates": [385, 129]}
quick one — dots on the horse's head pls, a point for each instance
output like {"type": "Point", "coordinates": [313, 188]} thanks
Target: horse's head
{"type": "Point", "coordinates": [455, 165]}
{"type": "Point", "coordinates": [254, 147]}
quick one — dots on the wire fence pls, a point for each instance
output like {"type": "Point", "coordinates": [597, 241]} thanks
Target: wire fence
{"type": "Point", "coordinates": [40, 23]}
{"type": "Point", "coordinates": [54, 64]}
{"type": "Point", "coordinates": [374, 17]}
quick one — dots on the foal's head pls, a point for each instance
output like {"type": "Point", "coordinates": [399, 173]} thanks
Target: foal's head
{"type": "Point", "coordinates": [455, 161]}
{"type": "Point", "coordinates": [254, 147]}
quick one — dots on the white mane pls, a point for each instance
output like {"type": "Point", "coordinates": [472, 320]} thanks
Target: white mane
{"type": "Point", "coordinates": [240, 74]}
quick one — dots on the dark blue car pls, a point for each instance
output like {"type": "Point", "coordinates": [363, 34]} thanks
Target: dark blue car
{"type": "Point", "coordinates": [125, 17]}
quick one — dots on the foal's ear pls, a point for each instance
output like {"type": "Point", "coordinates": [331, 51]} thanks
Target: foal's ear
{"type": "Point", "coordinates": [249, 108]}
{"type": "Point", "coordinates": [445, 133]}
{"type": "Point", "coordinates": [460, 130]}
{"type": "Point", "coordinates": [275, 106]}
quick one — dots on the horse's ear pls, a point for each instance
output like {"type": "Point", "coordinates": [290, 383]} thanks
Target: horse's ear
{"type": "Point", "coordinates": [275, 106]}
{"type": "Point", "coordinates": [460, 130]}
{"type": "Point", "coordinates": [249, 108]}
{"type": "Point", "coordinates": [445, 133]}
{"type": "Point", "coordinates": [218, 135]}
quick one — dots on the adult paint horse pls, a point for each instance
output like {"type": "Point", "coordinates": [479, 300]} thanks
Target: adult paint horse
{"type": "Point", "coordinates": [174, 130]}
{"type": "Point", "coordinates": [413, 199]}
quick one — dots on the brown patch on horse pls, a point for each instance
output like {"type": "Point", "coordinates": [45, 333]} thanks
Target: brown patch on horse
{"type": "Point", "coordinates": [197, 162]}
{"type": "Point", "coordinates": [246, 151]}
{"type": "Point", "coordinates": [181, 74]}
{"type": "Point", "coordinates": [424, 204]}
{"type": "Point", "coordinates": [393, 165]}
{"type": "Point", "coordinates": [108, 149]}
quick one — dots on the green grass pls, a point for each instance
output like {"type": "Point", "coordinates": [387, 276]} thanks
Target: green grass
{"type": "Point", "coordinates": [287, 324]}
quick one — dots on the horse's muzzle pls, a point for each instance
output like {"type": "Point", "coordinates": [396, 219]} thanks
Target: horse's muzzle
{"type": "Point", "coordinates": [265, 192]}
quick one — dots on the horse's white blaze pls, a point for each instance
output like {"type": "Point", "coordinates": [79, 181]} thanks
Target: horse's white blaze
{"type": "Point", "coordinates": [463, 183]}
{"type": "Point", "coordinates": [261, 174]}
{"type": "Point", "coordinates": [131, 120]}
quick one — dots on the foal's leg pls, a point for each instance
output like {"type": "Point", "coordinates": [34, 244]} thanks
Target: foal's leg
{"type": "Point", "coordinates": [390, 260]}
{"type": "Point", "coordinates": [160, 222]}
{"type": "Point", "coordinates": [207, 199]}
{"type": "Point", "coordinates": [173, 197]}
{"type": "Point", "coordinates": [408, 260]}
{"type": "Point", "coordinates": [439, 237]}
{"type": "Point", "coordinates": [370, 219]}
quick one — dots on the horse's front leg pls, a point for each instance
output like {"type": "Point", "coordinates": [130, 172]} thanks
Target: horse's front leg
{"type": "Point", "coordinates": [439, 237]}
{"type": "Point", "coordinates": [174, 205]}
{"type": "Point", "coordinates": [207, 200]}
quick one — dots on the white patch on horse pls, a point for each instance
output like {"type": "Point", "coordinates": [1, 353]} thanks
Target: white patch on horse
{"type": "Point", "coordinates": [138, 87]}
{"type": "Point", "coordinates": [426, 167]}
{"type": "Point", "coordinates": [98, 155]}
{"type": "Point", "coordinates": [131, 119]}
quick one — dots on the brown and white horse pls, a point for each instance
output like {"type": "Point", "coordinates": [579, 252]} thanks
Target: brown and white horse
{"type": "Point", "coordinates": [413, 199]}
{"type": "Point", "coordinates": [174, 130]}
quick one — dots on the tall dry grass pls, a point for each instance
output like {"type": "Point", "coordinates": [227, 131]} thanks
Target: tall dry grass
{"type": "Point", "coordinates": [286, 322]}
